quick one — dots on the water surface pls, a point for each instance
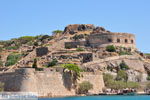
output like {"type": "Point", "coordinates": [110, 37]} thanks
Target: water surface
{"type": "Point", "coordinates": [143, 97]}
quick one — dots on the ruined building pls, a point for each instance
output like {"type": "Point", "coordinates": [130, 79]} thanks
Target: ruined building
{"type": "Point", "coordinates": [99, 37]}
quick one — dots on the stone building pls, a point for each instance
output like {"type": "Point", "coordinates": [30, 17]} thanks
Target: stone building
{"type": "Point", "coordinates": [109, 38]}
{"type": "Point", "coordinates": [100, 37]}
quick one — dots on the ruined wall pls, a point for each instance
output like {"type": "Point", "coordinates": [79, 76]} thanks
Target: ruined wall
{"type": "Point", "coordinates": [41, 51]}
{"type": "Point", "coordinates": [108, 38]}
{"type": "Point", "coordinates": [74, 44]}
{"type": "Point", "coordinates": [47, 82]}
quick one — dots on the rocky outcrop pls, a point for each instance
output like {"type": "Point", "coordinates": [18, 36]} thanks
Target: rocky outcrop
{"type": "Point", "coordinates": [99, 30]}
{"type": "Point", "coordinates": [72, 29]}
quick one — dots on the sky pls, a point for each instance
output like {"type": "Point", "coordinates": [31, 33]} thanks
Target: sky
{"type": "Point", "coordinates": [35, 17]}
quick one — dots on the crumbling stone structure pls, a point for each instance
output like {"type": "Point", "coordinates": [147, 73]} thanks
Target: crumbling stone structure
{"type": "Point", "coordinates": [109, 38]}
{"type": "Point", "coordinates": [100, 37]}
{"type": "Point", "coordinates": [41, 51]}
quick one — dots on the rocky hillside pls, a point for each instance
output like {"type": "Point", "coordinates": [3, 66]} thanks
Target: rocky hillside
{"type": "Point", "coordinates": [46, 51]}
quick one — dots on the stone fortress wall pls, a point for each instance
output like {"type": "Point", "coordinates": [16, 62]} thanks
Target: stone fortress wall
{"type": "Point", "coordinates": [109, 38]}
{"type": "Point", "coordinates": [48, 82]}
{"type": "Point", "coordinates": [99, 37]}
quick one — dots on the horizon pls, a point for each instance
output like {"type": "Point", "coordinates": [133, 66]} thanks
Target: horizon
{"type": "Point", "coordinates": [31, 18]}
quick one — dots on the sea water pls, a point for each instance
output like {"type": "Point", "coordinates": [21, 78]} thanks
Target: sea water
{"type": "Point", "coordinates": [140, 97]}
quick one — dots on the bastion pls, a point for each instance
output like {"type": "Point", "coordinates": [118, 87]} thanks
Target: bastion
{"type": "Point", "coordinates": [109, 38]}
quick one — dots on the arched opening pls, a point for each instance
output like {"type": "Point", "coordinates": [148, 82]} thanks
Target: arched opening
{"type": "Point", "coordinates": [109, 40]}
{"type": "Point", "coordinates": [126, 40]}
{"type": "Point", "coordinates": [132, 41]}
{"type": "Point", "coordinates": [118, 40]}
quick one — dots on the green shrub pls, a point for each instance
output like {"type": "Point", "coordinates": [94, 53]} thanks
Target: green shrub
{"type": "Point", "coordinates": [111, 48]}
{"type": "Point", "coordinates": [1, 87]}
{"type": "Point", "coordinates": [77, 37]}
{"type": "Point", "coordinates": [107, 78]}
{"type": "Point", "coordinates": [148, 78]}
{"type": "Point", "coordinates": [57, 32]}
{"type": "Point", "coordinates": [148, 85]}
{"type": "Point", "coordinates": [133, 85]}
{"type": "Point", "coordinates": [84, 87]}
{"type": "Point", "coordinates": [124, 53]}
{"type": "Point", "coordinates": [123, 66]}
{"type": "Point", "coordinates": [80, 49]}
{"type": "Point", "coordinates": [109, 68]}
{"type": "Point", "coordinates": [1, 63]}
{"type": "Point", "coordinates": [52, 63]}
{"type": "Point", "coordinates": [12, 59]}
{"type": "Point", "coordinates": [26, 39]}
{"type": "Point", "coordinates": [12, 47]}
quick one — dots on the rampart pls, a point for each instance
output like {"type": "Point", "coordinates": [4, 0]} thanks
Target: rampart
{"type": "Point", "coordinates": [46, 83]}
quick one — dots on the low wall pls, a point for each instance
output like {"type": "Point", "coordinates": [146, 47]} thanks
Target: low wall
{"type": "Point", "coordinates": [47, 82]}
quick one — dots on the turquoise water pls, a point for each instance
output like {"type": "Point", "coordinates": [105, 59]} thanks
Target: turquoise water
{"type": "Point", "coordinates": [103, 98]}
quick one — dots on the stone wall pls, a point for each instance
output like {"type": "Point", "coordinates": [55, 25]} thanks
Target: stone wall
{"type": "Point", "coordinates": [74, 44]}
{"type": "Point", "coordinates": [41, 51]}
{"type": "Point", "coordinates": [46, 83]}
{"type": "Point", "coordinates": [109, 38]}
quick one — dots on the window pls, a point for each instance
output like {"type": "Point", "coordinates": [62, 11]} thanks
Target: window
{"type": "Point", "coordinates": [118, 40]}
{"type": "Point", "coordinates": [109, 40]}
{"type": "Point", "coordinates": [126, 41]}
{"type": "Point", "coordinates": [132, 41]}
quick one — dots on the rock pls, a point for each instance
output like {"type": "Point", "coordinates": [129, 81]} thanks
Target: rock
{"type": "Point", "coordinates": [99, 30]}
{"type": "Point", "coordinates": [136, 76]}
{"type": "Point", "coordinates": [72, 29]}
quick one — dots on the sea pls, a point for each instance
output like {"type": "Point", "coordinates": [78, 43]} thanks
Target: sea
{"type": "Point", "coordinates": [138, 97]}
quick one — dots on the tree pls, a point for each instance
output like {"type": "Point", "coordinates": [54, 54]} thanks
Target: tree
{"type": "Point", "coordinates": [122, 76]}
{"type": "Point", "coordinates": [34, 64]}
{"type": "Point", "coordinates": [111, 48]}
{"type": "Point", "coordinates": [84, 87]}
{"type": "Point", "coordinates": [75, 72]}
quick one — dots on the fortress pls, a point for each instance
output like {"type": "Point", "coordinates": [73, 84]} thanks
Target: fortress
{"type": "Point", "coordinates": [99, 37]}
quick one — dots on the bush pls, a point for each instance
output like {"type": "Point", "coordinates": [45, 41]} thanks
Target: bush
{"type": "Point", "coordinates": [148, 85]}
{"type": "Point", "coordinates": [124, 66]}
{"type": "Point", "coordinates": [80, 49]}
{"type": "Point", "coordinates": [1, 63]}
{"type": "Point", "coordinates": [1, 87]}
{"type": "Point", "coordinates": [148, 78]}
{"type": "Point", "coordinates": [57, 32]}
{"type": "Point", "coordinates": [110, 48]}
{"type": "Point", "coordinates": [77, 37]}
{"type": "Point", "coordinates": [26, 39]}
{"type": "Point", "coordinates": [124, 53]}
{"type": "Point", "coordinates": [12, 48]}
{"type": "Point", "coordinates": [12, 59]}
{"type": "Point", "coordinates": [84, 87]}
{"type": "Point", "coordinates": [107, 78]}
{"type": "Point", "coordinates": [52, 63]}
